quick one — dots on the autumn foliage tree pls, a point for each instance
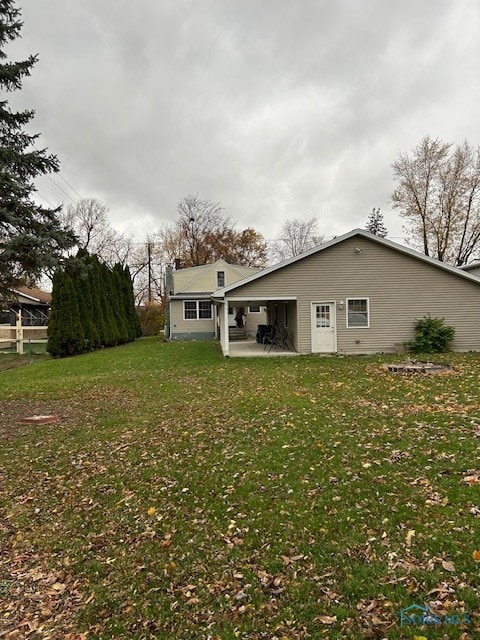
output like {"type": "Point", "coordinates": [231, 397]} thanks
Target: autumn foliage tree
{"type": "Point", "coordinates": [438, 196]}
{"type": "Point", "coordinates": [203, 234]}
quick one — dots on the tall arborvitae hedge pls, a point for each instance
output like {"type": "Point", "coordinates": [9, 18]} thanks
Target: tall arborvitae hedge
{"type": "Point", "coordinates": [92, 307]}
{"type": "Point", "coordinates": [66, 336]}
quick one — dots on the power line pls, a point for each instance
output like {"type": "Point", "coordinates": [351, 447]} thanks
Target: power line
{"type": "Point", "coordinates": [72, 188]}
{"type": "Point", "coordinates": [60, 188]}
{"type": "Point", "coordinates": [46, 199]}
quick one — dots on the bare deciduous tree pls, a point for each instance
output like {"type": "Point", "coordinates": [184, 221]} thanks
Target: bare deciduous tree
{"type": "Point", "coordinates": [296, 236]}
{"type": "Point", "coordinates": [438, 195]}
{"type": "Point", "coordinates": [88, 218]}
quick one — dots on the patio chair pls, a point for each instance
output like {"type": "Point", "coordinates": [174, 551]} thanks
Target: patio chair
{"type": "Point", "coordinates": [277, 338]}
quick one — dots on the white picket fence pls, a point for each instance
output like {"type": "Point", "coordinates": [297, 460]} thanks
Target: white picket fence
{"type": "Point", "coordinates": [20, 335]}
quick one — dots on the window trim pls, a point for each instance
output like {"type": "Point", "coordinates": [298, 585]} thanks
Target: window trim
{"type": "Point", "coordinates": [220, 286]}
{"type": "Point", "coordinates": [185, 302]}
{"type": "Point", "coordinates": [348, 300]}
{"type": "Point", "coordinates": [255, 306]}
{"type": "Point", "coordinates": [197, 310]}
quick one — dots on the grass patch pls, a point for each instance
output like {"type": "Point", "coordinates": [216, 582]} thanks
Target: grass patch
{"type": "Point", "coordinates": [184, 495]}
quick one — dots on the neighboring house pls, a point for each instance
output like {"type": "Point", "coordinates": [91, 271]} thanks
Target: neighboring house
{"type": "Point", "coordinates": [358, 293]}
{"type": "Point", "coordinates": [33, 304]}
{"type": "Point", "coordinates": [191, 313]}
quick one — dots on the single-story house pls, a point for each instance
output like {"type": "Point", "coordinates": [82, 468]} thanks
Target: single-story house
{"type": "Point", "coordinates": [191, 313]}
{"type": "Point", "coordinates": [358, 293]}
{"type": "Point", "coordinates": [33, 304]}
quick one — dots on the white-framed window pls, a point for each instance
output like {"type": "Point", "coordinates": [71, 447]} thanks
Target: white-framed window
{"type": "Point", "coordinates": [254, 309]}
{"type": "Point", "coordinates": [358, 313]}
{"type": "Point", "coordinates": [220, 279]}
{"type": "Point", "coordinates": [204, 309]}
{"type": "Point", "coordinates": [197, 310]}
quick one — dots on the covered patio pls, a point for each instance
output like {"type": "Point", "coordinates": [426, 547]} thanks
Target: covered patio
{"type": "Point", "coordinates": [281, 318]}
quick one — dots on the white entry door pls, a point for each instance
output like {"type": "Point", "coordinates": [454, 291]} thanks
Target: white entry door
{"type": "Point", "coordinates": [324, 336]}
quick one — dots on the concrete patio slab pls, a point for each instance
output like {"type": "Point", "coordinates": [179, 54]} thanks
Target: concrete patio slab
{"type": "Point", "coordinates": [251, 349]}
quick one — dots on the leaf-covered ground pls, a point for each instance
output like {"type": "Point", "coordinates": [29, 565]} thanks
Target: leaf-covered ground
{"type": "Point", "coordinates": [184, 495]}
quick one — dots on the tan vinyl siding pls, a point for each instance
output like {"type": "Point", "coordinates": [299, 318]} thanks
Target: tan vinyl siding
{"type": "Point", "coordinates": [179, 325]}
{"type": "Point", "coordinates": [205, 282]}
{"type": "Point", "coordinates": [184, 277]}
{"type": "Point", "coordinates": [197, 283]}
{"type": "Point", "coordinates": [244, 272]}
{"type": "Point", "coordinates": [203, 279]}
{"type": "Point", "coordinates": [400, 288]}
{"type": "Point", "coordinates": [293, 323]}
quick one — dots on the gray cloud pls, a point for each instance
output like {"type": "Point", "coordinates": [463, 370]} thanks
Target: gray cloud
{"type": "Point", "coordinates": [275, 109]}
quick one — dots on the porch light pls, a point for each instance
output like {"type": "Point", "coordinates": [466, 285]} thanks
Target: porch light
{"type": "Point", "coordinates": [341, 305]}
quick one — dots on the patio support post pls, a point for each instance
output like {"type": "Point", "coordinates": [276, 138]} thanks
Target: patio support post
{"type": "Point", "coordinates": [224, 337]}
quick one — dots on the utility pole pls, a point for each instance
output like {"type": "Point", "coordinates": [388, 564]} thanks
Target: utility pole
{"type": "Point", "coordinates": [149, 262]}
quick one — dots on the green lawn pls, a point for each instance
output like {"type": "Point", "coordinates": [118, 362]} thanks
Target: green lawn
{"type": "Point", "coordinates": [184, 495]}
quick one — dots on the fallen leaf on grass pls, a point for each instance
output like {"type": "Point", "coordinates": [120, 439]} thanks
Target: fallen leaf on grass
{"type": "Point", "coordinates": [291, 559]}
{"type": "Point", "coordinates": [448, 566]}
{"type": "Point", "coordinates": [476, 556]}
{"type": "Point", "coordinates": [326, 619]}
{"type": "Point", "coordinates": [409, 537]}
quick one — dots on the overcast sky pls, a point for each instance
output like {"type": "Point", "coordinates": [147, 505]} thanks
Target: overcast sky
{"type": "Point", "coordinates": [274, 108]}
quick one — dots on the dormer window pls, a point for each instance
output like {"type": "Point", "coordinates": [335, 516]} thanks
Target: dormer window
{"type": "Point", "coordinates": [220, 279]}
